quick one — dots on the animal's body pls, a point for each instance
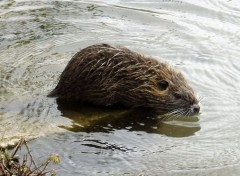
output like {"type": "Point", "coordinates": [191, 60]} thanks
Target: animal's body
{"type": "Point", "coordinates": [103, 75]}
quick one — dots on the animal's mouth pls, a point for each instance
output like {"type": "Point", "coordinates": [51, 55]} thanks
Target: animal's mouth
{"type": "Point", "coordinates": [193, 110]}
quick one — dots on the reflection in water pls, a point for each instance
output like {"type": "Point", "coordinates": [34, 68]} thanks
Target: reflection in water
{"type": "Point", "coordinates": [102, 119]}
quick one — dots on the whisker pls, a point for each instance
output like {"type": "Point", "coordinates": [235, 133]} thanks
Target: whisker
{"type": "Point", "coordinates": [172, 112]}
{"type": "Point", "coordinates": [187, 114]}
{"type": "Point", "coordinates": [176, 114]}
{"type": "Point", "coordinates": [180, 114]}
{"type": "Point", "coordinates": [169, 114]}
{"type": "Point", "coordinates": [201, 99]}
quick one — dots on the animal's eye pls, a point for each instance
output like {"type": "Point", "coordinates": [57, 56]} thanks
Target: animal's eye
{"type": "Point", "coordinates": [177, 96]}
{"type": "Point", "coordinates": [162, 85]}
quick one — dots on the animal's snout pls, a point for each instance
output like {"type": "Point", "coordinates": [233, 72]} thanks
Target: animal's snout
{"type": "Point", "coordinates": [195, 108]}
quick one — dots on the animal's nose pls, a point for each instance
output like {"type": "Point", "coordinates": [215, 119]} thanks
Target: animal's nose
{"type": "Point", "coordinates": [195, 108]}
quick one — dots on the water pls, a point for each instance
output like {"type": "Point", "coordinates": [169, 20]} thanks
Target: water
{"type": "Point", "coordinates": [201, 38]}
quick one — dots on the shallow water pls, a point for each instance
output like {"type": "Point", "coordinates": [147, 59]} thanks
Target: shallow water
{"type": "Point", "coordinates": [201, 38]}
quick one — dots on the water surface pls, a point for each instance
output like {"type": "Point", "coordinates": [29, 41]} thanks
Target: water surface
{"type": "Point", "coordinates": [200, 38]}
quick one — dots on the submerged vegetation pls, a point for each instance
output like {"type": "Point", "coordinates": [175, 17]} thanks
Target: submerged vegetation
{"type": "Point", "coordinates": [11, 165]}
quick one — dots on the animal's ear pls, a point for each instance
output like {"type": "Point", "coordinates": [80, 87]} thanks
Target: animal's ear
{"type": "Point", "coordinates": [162, 85]}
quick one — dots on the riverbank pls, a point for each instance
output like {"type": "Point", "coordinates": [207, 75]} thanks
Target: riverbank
{"type": "Point", "coordinates": [12, 164]}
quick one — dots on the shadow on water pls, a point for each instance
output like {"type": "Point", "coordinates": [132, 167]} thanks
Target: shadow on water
{"type": "Point", "coordinates": [88, 118]}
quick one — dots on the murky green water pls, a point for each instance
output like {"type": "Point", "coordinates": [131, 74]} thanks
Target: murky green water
{"type": "Point", "coordinates": [201, 38]}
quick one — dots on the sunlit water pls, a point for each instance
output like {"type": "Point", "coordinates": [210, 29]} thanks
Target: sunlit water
{"type": "Point", "coordinates": [201, 38]}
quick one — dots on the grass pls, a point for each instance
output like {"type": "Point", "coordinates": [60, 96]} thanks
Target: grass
{"type": "Point", "coordinates": [11, 165]}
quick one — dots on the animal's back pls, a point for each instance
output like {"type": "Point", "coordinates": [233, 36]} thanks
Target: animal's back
{"type": "Point", "coordinates": [98, 72]}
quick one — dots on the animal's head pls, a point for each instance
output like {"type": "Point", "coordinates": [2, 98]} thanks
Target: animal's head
{"type": "Point", "coordinates": [165, 90]}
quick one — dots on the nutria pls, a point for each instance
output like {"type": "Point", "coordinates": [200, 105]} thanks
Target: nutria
{"type": "Point", "coordinates": [105, 75]}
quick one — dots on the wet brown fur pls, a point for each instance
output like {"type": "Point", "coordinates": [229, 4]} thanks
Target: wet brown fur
{"type": "Point", "coordinates": [102, 74]}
